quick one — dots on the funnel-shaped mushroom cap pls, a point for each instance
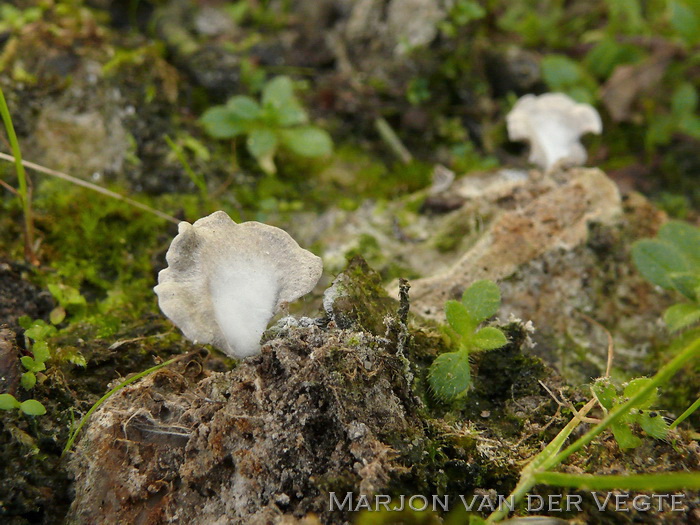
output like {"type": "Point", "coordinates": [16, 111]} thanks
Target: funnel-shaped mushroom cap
{"type": "Point", "coordinates": [553, 124]}
{"type": "Point", "coordinates": [225, 281]}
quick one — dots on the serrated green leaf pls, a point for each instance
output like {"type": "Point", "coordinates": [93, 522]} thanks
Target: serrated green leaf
{"type": "Point", "coordinates": [8, 402]}
{"type": "Point", "coordinates": [40, 330]}
{"type": "Point", "coordinates": [459, 319]}
{"type": "Point", "coordinates": [657, 259]}
{"type": "Point", "coordinates": [449, 375]}
{"type": "Point", "coordinates": [31, 364]}
{"type": "Point", "coordinates": [243, 108]}
{"type": "Point", "coordinates": [32, 407]}
{"type": "Point", "coordinates": [278, 92]}
{"type": "Point", "coordinates": [653, 424]}
{"type": "Point", "coordinates": [681, 316]}
{"type": "Point", "coordinates": [489, 338]}
{"type": "Point", "coordinates": [482, 300]}
{"type": "Point", "coordinates": [635, 386]}
{"type": "Point", "coordinates": [624, 436]}
{"type": "Point", "coordinates": [685, 238]}
{"type": "Point", "coordinates": [220, 123]}
{"type": "Point", "coordinates": [40, 349]}
{"type": "Point", "coordinates": [606, 392]}
{"type": "Point", "coordinates": [308, 141]}
{"type": "Point", "coordinates": [686, 283]}
{"type": "Point", "coordinates": [28, 380]}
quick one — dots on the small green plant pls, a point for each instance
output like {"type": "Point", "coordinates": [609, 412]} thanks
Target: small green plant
{"type": "Point", "coordinates": [278, 120]}
{"type": "Point", "coordinates": [31, 407]}
{"type": "Point", "coordinates": [672, 261]}
{"type": "Point", "coordinates": [37, 331]}
{"type": "Point", "coordinates": [640, 413]}
{"type": "Point", "coordinates": [449, 374]}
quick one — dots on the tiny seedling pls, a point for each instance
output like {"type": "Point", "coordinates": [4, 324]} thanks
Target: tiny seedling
{"type": "Point", "coordinates": [449, 374]}
{"type": "Point", "coordinates": [672, 261]}
{"type": "Point", "coordinates": [641, 413]}
{"type": "Point", "coordinates": [277, 120]}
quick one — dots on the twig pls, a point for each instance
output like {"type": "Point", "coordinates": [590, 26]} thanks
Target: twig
{"type": "Point", "coordinates": [90, 186]}
{"type": "Point", "coordinates": [392, 140]}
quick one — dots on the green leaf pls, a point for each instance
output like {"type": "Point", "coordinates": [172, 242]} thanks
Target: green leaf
{"type": "Point", "coordinates": [31, 364]}
{"type": "Point", "coordinates": [244, 108]}
{"type": "Point", "coordinates": [262, 143]}
{"type": "Point", "coordinates": [278, 92]}
{"type": "Point", "coordinates": [449, 375]}
{"type": "Point", "coordinates": [8, 402]}
{"type": "Point", "coordinates": [57, 315]}
{"type": "Point", "coordinates": [32, 407]}
{"type": "Point", "coordinates": [624, 436]}
{"type": "Point", "coordinates": [459, 318]}
{"type": "Point", "coordinates": [28, 380]}
{"type": "Point", "coordinates": [657, 259]}
{"type": "Point", "coordinates": [685, 22]}
{"type": "Point", "coordinates": [606, 392]}
{"type": "Point", "coordinates": [489, 338]}
{"type": "Point", "coordinates": [290, 114]}
{"type": "Point", "coordinates": [482, 300]}
{"type": "Point", "coordinates": [686, 283]}
{"type": "Point", "coordinates": [308, 141]}
{"type": "Point", "coordinates": [40, 349]}
{"type": "Point", "coordinates": [685, 238]}
{"type": "Point", "coordinates": [40, 330]}
{"type": "Point", "coordinates": [653, 424]}
{"type": "Point", "coordinates": [681, 316]}
{"type": "Point", "coordinates": [220, 123]}
{"type": "Point", "coordinates": [690, 125]}
{"type": "Point", "coordinates": [638, 384]}
{"type": "Point", "coordinates": [684, 100]}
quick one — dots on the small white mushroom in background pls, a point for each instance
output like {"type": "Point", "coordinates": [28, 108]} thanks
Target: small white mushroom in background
{"type": "Point", "coordinates": [225, 281]}
{"type": "Point", "coordinates": [553, 124]}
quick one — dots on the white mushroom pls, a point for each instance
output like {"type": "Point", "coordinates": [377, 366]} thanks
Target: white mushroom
{"type": "Point", "coordinates": [553, 124]}
{"type": "Point", "coordinates": [225, 281]}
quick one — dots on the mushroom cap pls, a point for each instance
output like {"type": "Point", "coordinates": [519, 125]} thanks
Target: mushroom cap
{"type": "Point", "coordinates": [225, 281]}
{"type": "Point", "coordinates": [553, 124]}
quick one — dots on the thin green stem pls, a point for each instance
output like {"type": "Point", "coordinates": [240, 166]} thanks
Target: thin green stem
{"type": "Point", "coordinates": [660, 481]}
{"type": "Point", "coordinates": [550, 457]}
{"type": "Point", "coordinates": [105, 397]}
{"type": "Point", "coordinates": [690, 352]}
{"type": "Point", "coordinates": [692, 408]}
{"type": "Point", "coordinates": [24, 192]}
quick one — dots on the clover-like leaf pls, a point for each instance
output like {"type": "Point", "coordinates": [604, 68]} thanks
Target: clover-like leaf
{"type": "Point", "coordinates": [624, 436]}
{"type": "Point", "coordinates": [605, 391]}
{"type": "Point", "coordinates": [459, 318]}
{"type": "Point", "coordinates": [686, 283]}
{"type": "Point", "coordinates": [28, 380]}
{"type": "Point", "coordinates": [243, 108]}
{"type": "Point", "coordinates": [221, 123]}
{"type": "Point", "coordinates": [489, 338]}
{"type": "Point", "coordinates": [656, 260]}
{"type": "Point", "coordinates": [32, 365]}
{"type": "Point", "coordinates": [40, 349]}
{"type": "Point", "coordinates": [449, 375]}
{"type": "Point", "coordinates": [308, 141]}
{"type": "Point", "coordinates": [653, 424]}
{"type": "Point", "coordinates": [681, 316]}
{"type": "Point", "coordinates": [635, 386]}
{"type": "Point", "coordinates": [278, 92]}
{"type": "Point", "coordinates": [482, 300]}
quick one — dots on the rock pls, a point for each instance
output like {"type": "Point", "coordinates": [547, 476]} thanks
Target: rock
{"type": "Point", "coordinates": [266, 440]}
